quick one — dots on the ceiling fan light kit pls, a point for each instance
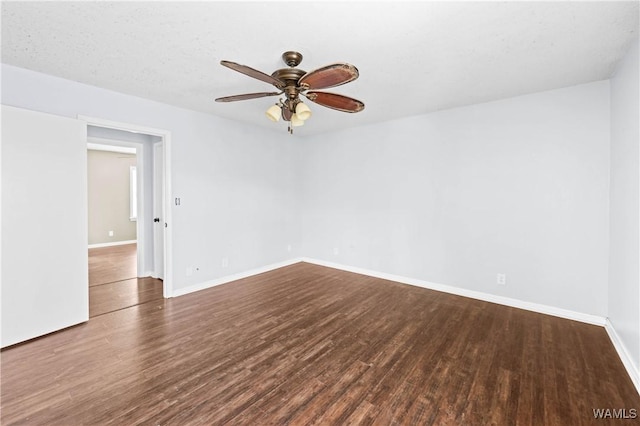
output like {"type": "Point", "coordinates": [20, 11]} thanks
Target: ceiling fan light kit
{"type": "Point", "coordinates": [273, 113]}
{"type": "Point", "coordinates": [296, 121]}
{"type": "Point", "coordinates": [303, 111]}
{"type": "Point", "coordinates": [293, 82]}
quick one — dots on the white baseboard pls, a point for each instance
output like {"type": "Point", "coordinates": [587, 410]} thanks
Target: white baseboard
{"type": "Point", "coordinates": [115, 243]}
{"type": "Point", "coordinates": [487, 297]}
{"type": "Point", "coordinates": [625, 357]}
{"type": "Point", "coordinates": [234, 277]}
{"type": "Point", "coordinates": [501, 300]}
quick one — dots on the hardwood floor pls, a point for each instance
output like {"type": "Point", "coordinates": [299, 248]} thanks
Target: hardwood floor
{"type": "Point", "coordinates": [123, 294]}
{"type": "Point", "coordinates": [312, 345]}
{"type": "Point", "coordinates": [110, 264]}
{"type": "Point", "coordinates": [112, 280]}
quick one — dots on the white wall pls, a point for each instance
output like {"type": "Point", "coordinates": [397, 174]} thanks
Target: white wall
{"type": "Point", "coordinates": [235, 182]}
{"type": "Point", "coordinates": [518, 186]}
{"type": "Point", "coordinates": [624, 269]}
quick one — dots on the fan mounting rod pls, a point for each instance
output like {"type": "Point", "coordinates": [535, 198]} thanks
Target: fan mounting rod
{"type": "Point", "coordinates": [292, 58]}
{"type": "Point", "coordinates": [290, 75]}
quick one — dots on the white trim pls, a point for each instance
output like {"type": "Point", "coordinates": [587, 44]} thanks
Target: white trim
{"type": "Point", "coordinates": [115, 243]}
{"type": "Point", "coordinates": [168, 215]}
{"type": "Point", "coordinates": [157, 273]}
{"type": "Point", "coordinates": [234, 277]}
{"type": "Point", "coordinates": [625, 357]}
{"type": "Point", "coordinates": [113, 145]}
{"type": "Point", "coordinates": [110, 148]}
{"type": "Point", "coordinates": [127, 127]}
{"type": "Point", "coordinates": [501, 300]}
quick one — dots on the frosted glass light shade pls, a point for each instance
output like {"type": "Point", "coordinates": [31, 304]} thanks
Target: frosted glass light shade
{"type": "Point", "coordinates": [273, 113]}
{"type": "Point", "coordinates": [302, 111]}
{"type": "Point", "coordinates": [296, 121]}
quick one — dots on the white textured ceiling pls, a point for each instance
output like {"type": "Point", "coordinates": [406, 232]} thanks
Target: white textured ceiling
{"type": "Point", "coordinates": [413, 57]}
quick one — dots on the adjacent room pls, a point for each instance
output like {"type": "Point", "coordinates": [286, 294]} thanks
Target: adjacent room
{"type": "Point", "coordinates": [219, 212]}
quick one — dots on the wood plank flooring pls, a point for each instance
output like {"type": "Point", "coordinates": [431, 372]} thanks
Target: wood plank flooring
{"type": "Point", "coordinates": [312, 345]}
{"type": "Point", "coordinates": [112, 280]}
{"type": "Point", "coordinates": [123, 294]}
{"type": "Point", "coordinates": [110, 264]}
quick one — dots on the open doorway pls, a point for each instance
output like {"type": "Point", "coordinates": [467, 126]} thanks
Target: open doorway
{"type": "Point", "coordinates": [112, 192]}
{"type": "Point", "coordinates": [127, 271]}
{"type": "Point", "coordinates": [111, 195]}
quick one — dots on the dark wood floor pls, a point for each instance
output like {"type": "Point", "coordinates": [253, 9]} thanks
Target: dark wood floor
{"type": "Point", "coordinates": [312, 345]}
{"type": "Point", "coordinates": [112, 280]}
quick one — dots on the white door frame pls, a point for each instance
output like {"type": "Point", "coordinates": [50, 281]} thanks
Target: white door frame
{"type": "Point", "coordinates": [158, 186]}
{"type": "Point", "coordinates": [165, 135]}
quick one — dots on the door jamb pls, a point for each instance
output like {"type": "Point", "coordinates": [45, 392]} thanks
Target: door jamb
{"type": "Point", "coordinates": [163, 205]}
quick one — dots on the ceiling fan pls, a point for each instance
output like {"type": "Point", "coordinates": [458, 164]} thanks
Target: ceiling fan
{"type": "Point", "coordinates": [293, 82]}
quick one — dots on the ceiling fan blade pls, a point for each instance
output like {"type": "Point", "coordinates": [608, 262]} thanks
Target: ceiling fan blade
{"type": "Point", "coordinates": [253, 73]}
{"type": "Point", "coordinates": [335, 101]}
{"type": "Point", "coordinates": [329, 76]}
{"type": "Point", "coordinates": [247, 96]}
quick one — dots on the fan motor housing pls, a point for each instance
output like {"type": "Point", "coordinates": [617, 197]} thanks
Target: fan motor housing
{"type": "Point", "coordinates": [289, 74]}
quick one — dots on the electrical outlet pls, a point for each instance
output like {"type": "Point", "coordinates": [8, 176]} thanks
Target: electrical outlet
{"type": "Point", "coordinates": [111, 233]}
{"type": "Point", "coordinates": [289, 247]}
{"type": "Point", "coordinates": [336, 251]}
{"type": "Point", "coordinates": [502, 279]}
{"type": "Point", "coordinates": [225, 262]}
{"type": "Point", "coordinates": [189, 271]}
